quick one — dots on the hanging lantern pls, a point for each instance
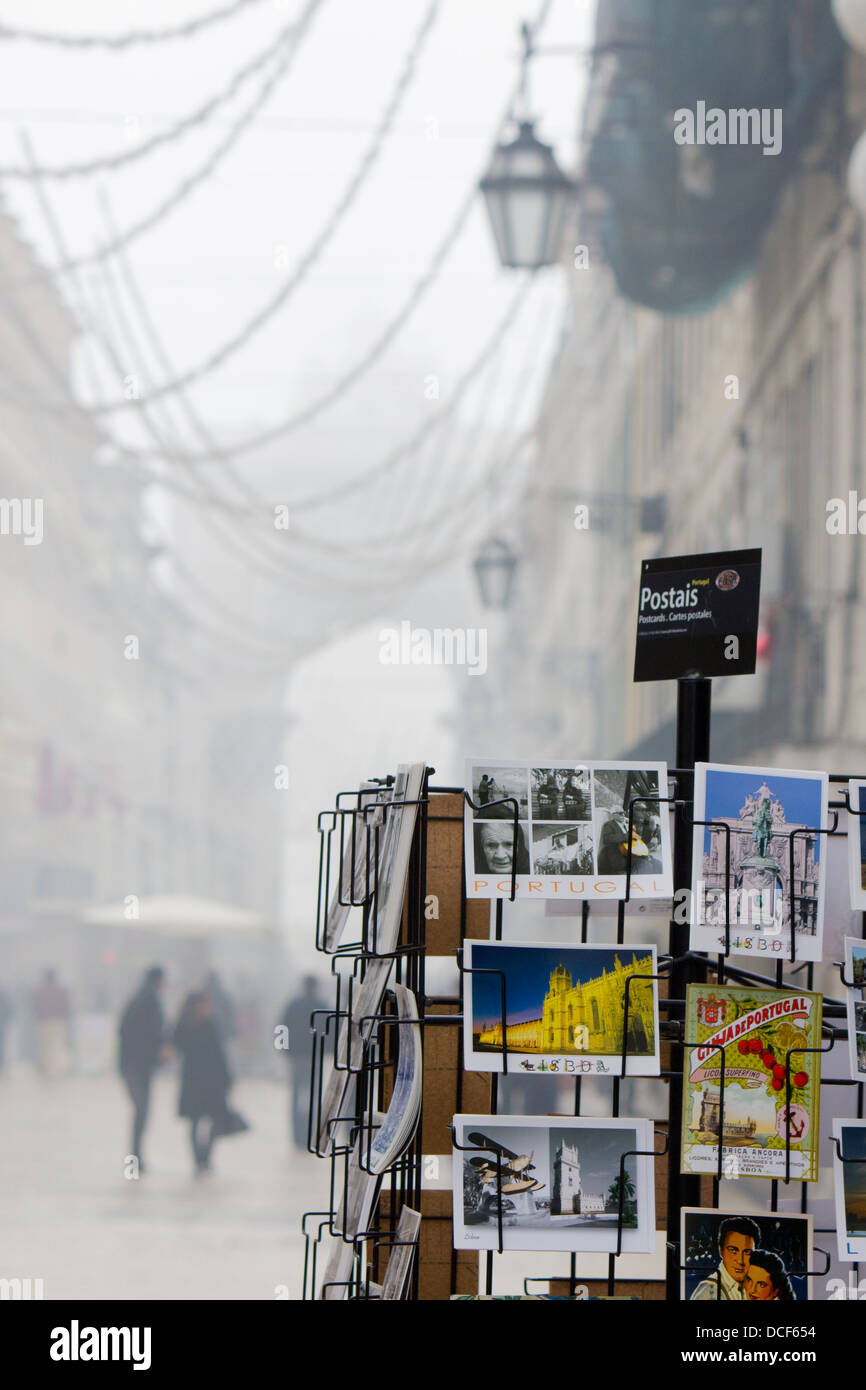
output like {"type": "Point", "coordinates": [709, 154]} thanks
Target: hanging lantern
{"type": "Point", "coordinates": [850, 16]}
{"type": "Point", "coordinates": [495, 566]}
{"type": "Point", "coordinates": [857, 175]}
{"type": "Point", "coordinates": [527, 196]}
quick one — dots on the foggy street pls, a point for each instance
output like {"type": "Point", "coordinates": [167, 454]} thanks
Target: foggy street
{"type": "Point", "coordinates": [71, 1219]}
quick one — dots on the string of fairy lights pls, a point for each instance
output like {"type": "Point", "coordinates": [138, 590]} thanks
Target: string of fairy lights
{"type": "Point", "coordinates": [433, 495]}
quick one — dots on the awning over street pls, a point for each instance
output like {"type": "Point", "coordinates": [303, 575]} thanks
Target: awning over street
{"type": "Point", "coordinates": [176, 914]}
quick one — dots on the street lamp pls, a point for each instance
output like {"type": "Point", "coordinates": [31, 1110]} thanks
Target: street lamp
{"type": "Point", "coordinates": [526, 192]}
{"type": "Point", "coordinates": [495, 566]}
{"type": "Point", "coordinates": [527, 196]}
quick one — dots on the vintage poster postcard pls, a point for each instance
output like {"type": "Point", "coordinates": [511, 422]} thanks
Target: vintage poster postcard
{"type": "Point", "coordinates": [857, 843]}
{"type": "Point", "coordinates": [572, 835]}
{"type": "Point", "coordinates": [855, 970]}
{"type": "Point", "coordinates": [564, 1008]}
{"type": "Point", "coordinates": [849, 1180]}
{"type": "Point", "coordinates": [755, 1028]}
{"type": "Point", "coordinates": [745, 1257]}
{"type": "Point", "coordinates": [768, 813]}
{"type": "Point", "coordinates": [554, 1181]}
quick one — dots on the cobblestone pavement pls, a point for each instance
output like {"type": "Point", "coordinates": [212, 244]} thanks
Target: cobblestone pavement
{"type": "Point", "coordinates": [68, 1215]}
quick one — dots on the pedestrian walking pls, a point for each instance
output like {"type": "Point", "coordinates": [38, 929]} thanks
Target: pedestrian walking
{"type": "Point", "coordinates": [204, 1079]}
{"type": "Point", "coordinates": [296, 1020]}
{"type": "Point", "coordinates": [223, 1008]}
{"type": "Point", "coordinates": [6, 1013]}
{"type": "Point", "coordinates": [142, 1047]}
{"type": "Point", "coordinates": [50, 1001]}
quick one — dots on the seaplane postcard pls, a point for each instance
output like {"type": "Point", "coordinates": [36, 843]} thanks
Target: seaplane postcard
{"type": "Point", "coordinates": [583, 830]}
{"type": "Point", "coordinates": [553, 1183]}
{"type": "Point", "coordinates": [561, 1010]}
{"type": "Point", "coordinates": [762, 1124]}
{"type": "Point", "coordinates": [751, 824]}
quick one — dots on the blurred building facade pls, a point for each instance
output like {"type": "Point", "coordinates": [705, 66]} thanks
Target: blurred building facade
{"type": "Point", "coordinates": [732, 425]}
{"type": "Point", "coordinates": [133, 760]}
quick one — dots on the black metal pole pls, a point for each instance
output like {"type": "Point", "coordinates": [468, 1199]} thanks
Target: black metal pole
{"type": "Point", "coordinates": [693, 746]}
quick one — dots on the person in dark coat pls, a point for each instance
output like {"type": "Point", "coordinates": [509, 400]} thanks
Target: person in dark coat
{"type": "Point", "coordinates": [142, 1048]}
{"type": "Point", "coordinates": [204, 1076]}
{"type": "Point", "coordinates": [223, 1008]}
{"type": "Point", "coordinates": [6, 1014]}
{"type": "Point", "coordinates": [295, 1019]}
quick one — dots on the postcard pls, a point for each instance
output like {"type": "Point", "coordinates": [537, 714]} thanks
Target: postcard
{"type": "Point", "coordinates": [745, 1257]}
{"type": "Point", "coordinates": [769, 813]}
{"type": "Point", "coordinates": [849, 1180]}
{"type": "Point", "coordinates": [401, 1256]}
{"type": "Point", "coordinates": [554, 1182]}
{"type": "Point", "coordinates": [395, 1131]}
{"type": "Point", "coordinates": [350, 1223]}
{"type": "Point", "coordinates": [401, 814]}
{"type": "Point", "coordinates": [564, 1008]}
{"type": "Point", "coordinates": [855, 970]}
{"type": "Point", "coordinates": [360, 833]}
{"type": "Point", "coordinates": [857, 843]}
{"type": "Point", "coordinates": [755, 1029]}
{"type": "Point", "coordinates": [571, 837]}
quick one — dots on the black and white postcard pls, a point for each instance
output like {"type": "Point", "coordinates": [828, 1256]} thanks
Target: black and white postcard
{"type": "Point", "coordinates": [556, 1183]}
{"type": "Point", "coordinates": [571, 838]}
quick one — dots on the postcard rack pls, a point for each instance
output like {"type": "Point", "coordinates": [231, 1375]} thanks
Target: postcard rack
{"type": "Point", "coordinates": [437, 919]}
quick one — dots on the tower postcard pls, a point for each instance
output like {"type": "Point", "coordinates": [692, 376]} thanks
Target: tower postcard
{"type": "Point", "coordinates": [553, 1183]}
{"type": "Point", "coordinates": [765, 1115]}
{"type": "Point", "coordinates": [758, 861]}
{"type": "Point", "coordinates": [565, 1009]}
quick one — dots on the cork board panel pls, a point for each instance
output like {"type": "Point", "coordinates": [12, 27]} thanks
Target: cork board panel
{"type": "Point", "coordinates": [652, 1289]}
{"type": "Point", "coordinates": [435, 1252]}
{"type": "Point", "coordinates": [444, 830]}
{"type": "Point", "coordinates": [442, 933]}
{"type": "Point", "coordinates": [442, 1097]}
{"type": "Point", "coordinates": [661, 1191]}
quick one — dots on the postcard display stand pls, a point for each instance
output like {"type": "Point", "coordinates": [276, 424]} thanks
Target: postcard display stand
{"type": "Point", "coordinates": [436, 919]}
{"type": "Point", "coordinates": [437, 876]}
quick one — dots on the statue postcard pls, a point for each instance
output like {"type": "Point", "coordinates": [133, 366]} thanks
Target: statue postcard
{"type": "Point", "coordinates": [752, 1072]}
{"type": "Point", "coordinates": [553, 1183]}
{"type": "Point", "coordinates": [567, 830]}
{"type": "Point", "coordinates": [535, 1008]}
{"type": "Point", "coordinates": [758, 862]}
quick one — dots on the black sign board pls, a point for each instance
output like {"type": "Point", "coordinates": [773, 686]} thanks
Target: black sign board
{"type": "Point", "coordinates": [698, 615]}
